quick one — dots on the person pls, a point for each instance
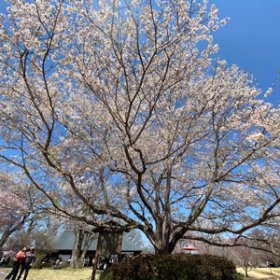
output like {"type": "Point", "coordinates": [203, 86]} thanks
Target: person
{"type": "Point", "coordinates": [19, 259]}
{"type": "Point", "coordinates": [58, 263]}
{"type": "Point", "coordinates": [5, 258]}
{"type": "Point", "coordinates": [27, 264]}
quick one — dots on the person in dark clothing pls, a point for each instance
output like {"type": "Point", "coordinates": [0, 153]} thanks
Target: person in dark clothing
{"type": "Point", "coordinates": [27, 264]}
{"type": "Point", "coordinates": [20, 257]}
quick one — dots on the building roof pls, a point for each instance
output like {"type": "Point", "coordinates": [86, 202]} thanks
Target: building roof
{"type": "Point", "coordinates": [65, 242]}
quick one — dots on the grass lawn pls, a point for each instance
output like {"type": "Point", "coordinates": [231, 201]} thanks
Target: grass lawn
{"type": "Point", "coordinates": [59, 274]}
{"type": "Point", "coordinates": [85, 273]}
{"type": "Point", "coordinates": [262, 273]}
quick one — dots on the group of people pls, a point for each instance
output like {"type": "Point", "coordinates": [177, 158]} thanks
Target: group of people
{"type": "Point", "coordinates": [23, 262]}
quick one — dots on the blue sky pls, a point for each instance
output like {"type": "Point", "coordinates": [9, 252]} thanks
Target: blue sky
{"type": "Point", "coordinates": [251, 39]}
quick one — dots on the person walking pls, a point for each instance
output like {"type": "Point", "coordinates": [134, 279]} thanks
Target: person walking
{"type": "Point", "coordinates": [27, 264]}
{"type": "Point", "coordinates": [19, 259]}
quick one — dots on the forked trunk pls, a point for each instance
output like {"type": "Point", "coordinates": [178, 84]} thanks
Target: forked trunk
{"type": "Point", "coordinates": [82, 243]}
{"type": "Point", "coordinates": [165, 241]}
{"type": "Point", "coordinates": [163, 247]}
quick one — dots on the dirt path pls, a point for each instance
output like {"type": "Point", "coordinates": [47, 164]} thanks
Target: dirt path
{"type": "Point", "coordinates": [3, 273]}
{"type": "Point", "coordinates": [271, 278]}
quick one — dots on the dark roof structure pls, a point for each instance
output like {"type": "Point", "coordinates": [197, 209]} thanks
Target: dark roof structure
{"type": "Point", "coordinates": [65, 242]}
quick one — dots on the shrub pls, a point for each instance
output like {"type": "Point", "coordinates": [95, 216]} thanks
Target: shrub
{"type": "Point", "coordinates": [172, 267]}
{"type": "Point", "coordinates": [240, 276]}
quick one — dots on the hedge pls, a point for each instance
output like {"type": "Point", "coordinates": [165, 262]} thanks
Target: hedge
{"type": "Point", "coordinates": [172, 267]}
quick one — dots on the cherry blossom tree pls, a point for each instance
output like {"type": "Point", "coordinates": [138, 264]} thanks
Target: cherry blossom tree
{"type": "Point", "coordinates": [124, 107]}
{"type": "Point", "coordinates": [83, 240]}
{"type": "Point", "coordinates": [14, 208]}
{"type": "Point", "coordinates": [83, 236]}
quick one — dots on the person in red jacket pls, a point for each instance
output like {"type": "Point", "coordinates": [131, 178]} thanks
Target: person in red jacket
{"type": "Point", "coordinates": [27, 264]}
{"type": "Point", "coordinates": [19, 259]}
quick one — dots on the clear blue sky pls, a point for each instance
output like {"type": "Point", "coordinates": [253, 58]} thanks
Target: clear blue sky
{"type": "Point", "coordinates": [251, 39]}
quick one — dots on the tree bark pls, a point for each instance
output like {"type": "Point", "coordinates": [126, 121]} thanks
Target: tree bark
{"type": "Point", "coordinates": [88, 238]}
{"type": "Point", "coordinates": [4, 237]}
{"type": "Point", "coordinates": [83, 240]}
{"type": "Point", "coordinates": [76, 252]}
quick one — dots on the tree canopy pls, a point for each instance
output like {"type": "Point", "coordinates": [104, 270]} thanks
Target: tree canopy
{"type": "Point", "coordinates": [123, 108]}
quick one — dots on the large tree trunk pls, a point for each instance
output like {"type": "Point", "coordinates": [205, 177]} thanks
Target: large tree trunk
{"type": "Point", "coordinates": [76, 252]}
{"type": "Point", "coordinates": [88, 238]}
{"type": "Point", "coordinates": [82, 243]}
{"type": "Point", "coordinates": [165, 240]}
{"type": "Point", "coordinates": [38, 260]}
{"type": "Point", "coordinates": [163, 246]}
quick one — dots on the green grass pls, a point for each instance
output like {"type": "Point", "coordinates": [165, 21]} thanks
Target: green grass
{"type": "Point", "coordinates": [59, 274]}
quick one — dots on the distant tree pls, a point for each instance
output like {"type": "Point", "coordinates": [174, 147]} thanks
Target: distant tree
{"type": "Point", "coordinates": [253, 250]}
{"type": "Point", "coordinates": [83, 239]}
{"type": "Point", "coordinates": [84, 233]}
{"type": "Point", "coordinates": [246, 255]}
{"type": "Point", "coordinates": [40, 238]}
{"type": "Point", "coordinates": [268, 243]}
{"type": "Point", "coordinates": [15, 209]}
{"type": "Point", "coordinates": [122, 106]}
